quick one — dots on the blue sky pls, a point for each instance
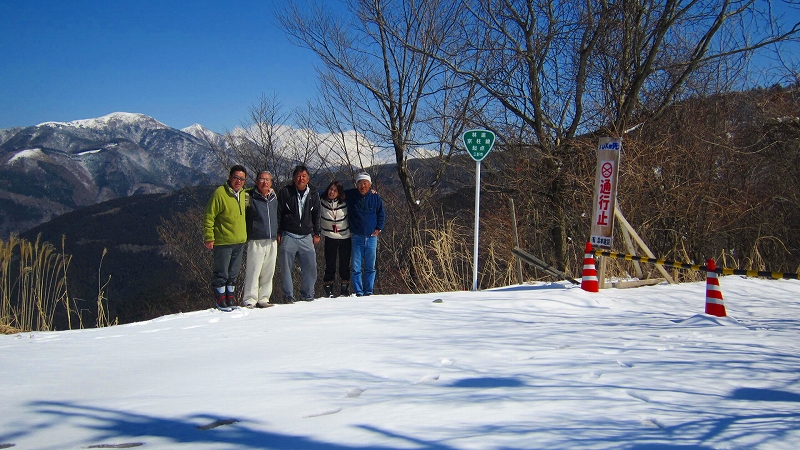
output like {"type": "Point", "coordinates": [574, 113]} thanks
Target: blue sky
{"type": "Point", "coordinates": [180, 62]}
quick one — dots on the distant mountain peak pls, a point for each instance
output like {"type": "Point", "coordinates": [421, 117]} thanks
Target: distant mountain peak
{"type": "Point", "coordinates": [198, 130]}
{"type": "Point", "coordinates": [112, 120]}
{"type": "Point", "coordinates": [56, 167]}
{"type": "Point", "coordinates": [204, 134]}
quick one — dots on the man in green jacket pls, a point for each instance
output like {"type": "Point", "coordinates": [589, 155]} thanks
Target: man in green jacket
{"type": "Point", "coordinates": [225, 232]}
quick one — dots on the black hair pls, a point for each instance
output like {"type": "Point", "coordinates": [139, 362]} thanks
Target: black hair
{"type": "Point", "coordinates": [299, 169]}
{"type": "Point", "coordinates": [237, 168]}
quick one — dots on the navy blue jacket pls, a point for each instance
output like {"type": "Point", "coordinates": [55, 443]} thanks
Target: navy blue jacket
{"type": "Point", "coordinates": [365, 212]}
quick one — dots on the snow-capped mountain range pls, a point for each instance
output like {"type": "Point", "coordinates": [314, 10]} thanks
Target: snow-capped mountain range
{"type": "Point", "coordinates": [55, 167]}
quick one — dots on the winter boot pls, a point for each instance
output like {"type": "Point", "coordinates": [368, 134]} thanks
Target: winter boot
{"type": "Point", "coordinates": [344, 291]}
{"type": "Point", "coordinates": [329, 291]}
{"type": "Point", "coordinates": [231, 296]}
{"type": "Point", "coordinates": [221, 299]}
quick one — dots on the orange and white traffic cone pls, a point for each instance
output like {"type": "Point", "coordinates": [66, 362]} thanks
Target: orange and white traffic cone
{"type": "Point", "coordinates": [589, 281]}
{"type": "Point", "coordinates": [714, 304]}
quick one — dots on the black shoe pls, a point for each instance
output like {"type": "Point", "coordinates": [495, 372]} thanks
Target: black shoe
{"type": "Point", "coordinates": [231, 301]}
{"type": "Point", "coordinates": [344, 291]}
{"type": "Point", "coordinates": [221, 300]}
{"type": "Point", "coordinates": [222, 305]}
{"type": "Point", "coordinates": [329, 291]}
{"type": "Point", "coordinates": [287, 300]}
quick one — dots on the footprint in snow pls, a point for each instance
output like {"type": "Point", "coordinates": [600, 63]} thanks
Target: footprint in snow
{"type": "Point", "coordinates": [653, 423]}
{"type": "Point", "coordinates": [612, 352]}
{"type": "Point", "coordinates": [625, 364]}
{"type": "Point", "coordinates": [217, 423]}
{"type": "Point", "coordinates": [355, 392]}
{"type": "Point", "coordinates": [240, 312]}
{"type": "Point", "coordinates": [153, 331]}
{"type": "Point", "coordinates": [323, 413]}
{"type": "Point", "coordinates": [428, 379]}
{"type": "Point", "coordinates": [638, 396]}
{"type": "Point", "coordinates": [593, 375]}
{"type": "Point", "coordinates": [125, 445]}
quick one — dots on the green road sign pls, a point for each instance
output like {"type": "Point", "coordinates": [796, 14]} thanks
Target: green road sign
{"type": "Point", "coordinates": [478, 143]}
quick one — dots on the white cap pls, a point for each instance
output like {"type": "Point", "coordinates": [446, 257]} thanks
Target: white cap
{"type": "Point", "coordinates": [363, 176]}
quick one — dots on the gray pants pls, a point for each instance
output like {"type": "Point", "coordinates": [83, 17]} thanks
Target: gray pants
{"type": "Point", "coordinates": [303, 248]}
{"type": "Point", "coordinates": [227, 264]}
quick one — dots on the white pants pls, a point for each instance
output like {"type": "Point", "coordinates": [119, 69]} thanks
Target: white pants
{"type": "Point", "coordinates": [261, 257]}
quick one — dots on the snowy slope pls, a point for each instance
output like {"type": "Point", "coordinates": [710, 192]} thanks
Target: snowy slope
{"type": "Point", "coordinates": [539, 366]}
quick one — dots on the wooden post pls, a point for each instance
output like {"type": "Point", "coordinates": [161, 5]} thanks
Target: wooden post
{"type": "Point", "coordinates": [631, 249]}
{"type": "Point", "coordinates": [624, 222]}
{"type": "Point", "coordinates": [601, 273]}
{"type": "Point", "coordinates": [520, 280]}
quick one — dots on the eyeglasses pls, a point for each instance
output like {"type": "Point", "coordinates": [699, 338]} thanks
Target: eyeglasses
{"type": "Point", "coordinates": [238, 178]}
{"type": "Point", "coordinates": [263, 180]}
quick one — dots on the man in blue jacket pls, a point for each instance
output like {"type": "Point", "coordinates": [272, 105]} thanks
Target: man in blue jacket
{"type": "Point", "coordinates": [367, 218]}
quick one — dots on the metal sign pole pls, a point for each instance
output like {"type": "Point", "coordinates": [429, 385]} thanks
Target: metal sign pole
{"type": "Point", "coordinates": [478, 144]}
{"type": "Point", "coordinates": [477, 225]}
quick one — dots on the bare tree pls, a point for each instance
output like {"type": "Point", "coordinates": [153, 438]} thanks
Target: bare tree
{"type": "Point", "coordinates": [263, 141]}
{"type": "Point", "coordinates": [380, 84]}
{"type": "Point", "coordinates": [345, 145]}
{"type": "Point", "coordinates": [564, 68]}
{"type": "Point", "coordinates": [272, 139]}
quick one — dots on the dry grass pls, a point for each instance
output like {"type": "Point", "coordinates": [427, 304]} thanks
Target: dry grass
{"type": "Point", "coordinates": [5, 329]}
{"type": "Point", "coordinates": [33, 287]}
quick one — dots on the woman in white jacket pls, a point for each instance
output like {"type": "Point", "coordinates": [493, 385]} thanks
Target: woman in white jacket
{"type": "Point", "coordinates": [336, 231]}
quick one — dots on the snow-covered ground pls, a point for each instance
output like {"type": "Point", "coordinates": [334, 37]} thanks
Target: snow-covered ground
{"type": "Point", "coordinates": [525, 367]}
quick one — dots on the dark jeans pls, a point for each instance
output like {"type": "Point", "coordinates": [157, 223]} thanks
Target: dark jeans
{"type": "Point", "coordinates": [227, 264]}
{"type": "Point", "coordinates": [333, 248]}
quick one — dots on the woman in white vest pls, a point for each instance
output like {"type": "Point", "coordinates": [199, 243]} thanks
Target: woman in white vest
{"type": "Point", "coordinates": [336, 231]}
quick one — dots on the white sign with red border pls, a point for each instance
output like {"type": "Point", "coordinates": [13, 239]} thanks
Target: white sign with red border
{"type": "Point", "coordinates": [605, 192]}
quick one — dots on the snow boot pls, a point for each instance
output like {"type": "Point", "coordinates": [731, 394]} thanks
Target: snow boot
{"type": "Point", "coordinates": [329, 291]}
{"type": "Point", "coordinates": [221, 299]}
{"type": "Point", "coordinates": [231, 296]}
{"type": "Point", "coordinates": [344, 291]}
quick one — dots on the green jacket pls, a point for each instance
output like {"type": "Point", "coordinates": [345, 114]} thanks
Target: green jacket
{"type": "Point", "coordinates": [224, 221]}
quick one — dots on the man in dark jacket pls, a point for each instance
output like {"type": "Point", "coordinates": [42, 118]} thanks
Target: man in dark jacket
{"type": "Point", "coordinates": [262, 244]}
{"type": "Point", "coordinates": [299, 231]}
{"type": "Point", "coordinates": [367, 218]}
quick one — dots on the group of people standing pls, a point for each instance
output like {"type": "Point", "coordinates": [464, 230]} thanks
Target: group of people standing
{"type": "Point", "coordinates": [278, 228]}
